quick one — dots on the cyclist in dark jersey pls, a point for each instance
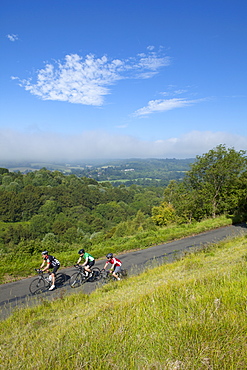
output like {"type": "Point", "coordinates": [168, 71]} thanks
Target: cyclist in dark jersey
{"type": "Point", "coordinates": [51, 263]}
{"type": "Point", "coordinates": [116, 265]}
{"type": "Point", "coordinates": [89, 261]}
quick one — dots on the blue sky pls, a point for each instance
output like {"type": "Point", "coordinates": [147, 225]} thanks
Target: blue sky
{"type": "Point", "coordinates": [115, 79]}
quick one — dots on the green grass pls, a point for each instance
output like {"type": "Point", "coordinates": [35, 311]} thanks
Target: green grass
{"type": "Point", "coordinates": [190, 314]}
{"type": "Point", "coordinates": [16, 266]}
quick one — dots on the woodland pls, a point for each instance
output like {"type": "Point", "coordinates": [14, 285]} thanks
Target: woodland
{"type": "Point", "coordinates": [49, 209]}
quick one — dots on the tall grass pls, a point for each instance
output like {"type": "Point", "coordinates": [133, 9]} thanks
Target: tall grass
{"type": "Point", "coordinates": [14, 267]}
{"type": "Point", "coordinates": [190, 314]}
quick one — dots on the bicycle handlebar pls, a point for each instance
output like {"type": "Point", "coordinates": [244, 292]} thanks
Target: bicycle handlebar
{"type": "Point", "coordinates": [79, 267]}
{"type": "Point", "coordinates": [39, 271]}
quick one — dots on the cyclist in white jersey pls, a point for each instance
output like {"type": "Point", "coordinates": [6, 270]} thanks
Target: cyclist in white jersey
{"type": "Point", "coordinates": [51, 263]}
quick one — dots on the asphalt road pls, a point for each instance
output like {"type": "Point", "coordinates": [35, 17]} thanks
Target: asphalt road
{"type": "Point", "coordinates": [16, 294]}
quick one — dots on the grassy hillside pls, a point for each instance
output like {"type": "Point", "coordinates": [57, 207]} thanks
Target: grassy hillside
{"type": "Point", "coordinates": [190, 314]}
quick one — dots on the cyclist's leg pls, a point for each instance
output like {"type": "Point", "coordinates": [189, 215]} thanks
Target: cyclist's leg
{"type": "Point", "coordinates": [116, 271]}
{"type": "Point", "coordinates": [53, 274]}
{"type": "Point", "coordinates": [88, 267]}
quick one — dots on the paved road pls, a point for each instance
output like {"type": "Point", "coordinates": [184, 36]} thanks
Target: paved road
{"type": "Point", "coordinates": [14, 295]}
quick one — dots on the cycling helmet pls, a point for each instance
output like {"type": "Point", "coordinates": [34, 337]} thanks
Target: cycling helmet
{"type": "Point", "coordinates": [109, 255]}
{"type": "Point", "coordinates": [81, 251]}
{"type": "Point", "coordinates": [44, 252]}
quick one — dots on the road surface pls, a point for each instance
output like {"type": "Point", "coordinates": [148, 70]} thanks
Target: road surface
{"type": "Point", "coordinates": [16, 294]}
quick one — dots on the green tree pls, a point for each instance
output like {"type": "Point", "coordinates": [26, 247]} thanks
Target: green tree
{"type": "Point", "coordinates": [32, 198]}
{"type": "Point", "coordinates": [10, 207]}
{"type": "Point", "coordinates": [6, 179]}
{"type": "Point", "coordinates": [49, 208]}
{"type": "Point", "coordinates": [61, 224]}
{"type": "Point", "coordinates": [3, 170]}
{"type": "Point", "coordinates": [39, 226]}
{"type": "Point", "coordinates": [214, 178]}
{"type": "Point", "coordinates": [183, 200]}
{"type": "Point", "coordinates": [113, 212]}
{"type": "Point", "coordinates": [164, 214]}
{"type": "Point", "coordinates": [144, 201]}
{"type": "Point", "coordinates": [70, 236]}
{"type": "Point", "coordinates": [49, 241]}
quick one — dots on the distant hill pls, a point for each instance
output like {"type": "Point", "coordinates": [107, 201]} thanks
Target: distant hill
{"type": "Point", "coordinates": [129, 171]}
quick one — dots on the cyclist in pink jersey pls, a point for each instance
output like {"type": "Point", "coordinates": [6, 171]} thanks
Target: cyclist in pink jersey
{"type": "Point", "coordinates": [116, 265]}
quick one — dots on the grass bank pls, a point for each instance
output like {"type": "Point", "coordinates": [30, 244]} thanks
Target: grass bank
{"type": "Point", "coordinates": [16, 266]}
{"type": "Point", "coordinates": [190, 314]}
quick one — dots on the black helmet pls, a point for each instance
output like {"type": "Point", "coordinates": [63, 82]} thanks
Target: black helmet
{"type": "Point", "coordinates": [109, 255]}
{"type": "Point", "coordinates": [81, 251]}
{"type": "Point", "coordinates": [44, 252]}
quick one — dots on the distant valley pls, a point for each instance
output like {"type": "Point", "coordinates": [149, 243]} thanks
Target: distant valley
{"type": "Point", "coordinates": [144, 172]}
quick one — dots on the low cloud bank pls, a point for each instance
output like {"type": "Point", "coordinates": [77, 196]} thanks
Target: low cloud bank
{"type": "Point", "coordinates": [19, 146]}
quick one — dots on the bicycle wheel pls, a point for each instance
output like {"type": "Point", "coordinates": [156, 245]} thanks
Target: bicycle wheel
{"type": "Point", "coordinates": [96, 276]}
{"type": "Point", "coordinates": [106, 277]}
{"type": "Point", "coordinates": [123, 273]}
{"type": "Point", "coordinates": [76, 280]}
{"type": "Point", "coordinates": [60, 279]}
{"type": "Point", "coordinates": [38, 286]}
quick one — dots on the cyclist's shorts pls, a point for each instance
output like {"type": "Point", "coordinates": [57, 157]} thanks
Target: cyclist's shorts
{"type": "Point", "coordinates": [91, 263]}
{"type": "Point", "coordinates": [117, 269]}
{"type": "Point", "coordinates": [55, 268]}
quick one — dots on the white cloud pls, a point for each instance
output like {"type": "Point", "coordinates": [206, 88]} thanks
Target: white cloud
{"type": "Point", "coordinates": [163, 105]}
{"type": "Point", "coordinates": [36, 146]}
{"type": "Point", "coordinates": [152, 62]}
{"type": "Point", "coordinates": [178, 92]}
{"type": "Point", "coordinates": [87, 80]}
{"type": "Point", "coordinates": [12, 37]}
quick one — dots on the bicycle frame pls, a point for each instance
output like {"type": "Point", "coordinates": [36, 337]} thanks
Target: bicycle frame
{"type": "Point", "coordinates": [107, 276]}
{"type": "Point", "coordinates": [39, 284]}
{"type": "Point", "coordinates": [81, 269]}
{"type": "Point", "coordinates": [41, 276]}
{"type": "Point", "coordinates": [80, 277]}
{"type": "Point", "coordinates": [42, 283]}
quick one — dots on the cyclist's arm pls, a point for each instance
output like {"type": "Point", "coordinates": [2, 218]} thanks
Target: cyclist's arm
{"type": "Point", "coordinates": [86, 262]}
{"type": "Point", "coordinates": [79, 260]}
{"type": "Point", "coordinates": [112, 268]}
{"type": "Point", "coordinates": [47, 267]}
{"type": "Point", "coordinates": [43, 264]}
{"type": "Point", "coordinates": [106, 264]}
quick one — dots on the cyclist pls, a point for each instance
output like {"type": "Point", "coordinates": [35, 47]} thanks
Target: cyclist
{"type": "Point", "coordinates": [52, 263]}
{"type": "Point", "coordinates": [89, 261]}
{"type": "Point", "coordinates": [116, 265]}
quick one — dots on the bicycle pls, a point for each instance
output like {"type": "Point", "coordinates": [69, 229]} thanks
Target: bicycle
{"type": "Point", "coordinates": [80, 277]}
{"type": "Point", "coordinates": [43, 283]}
{"type": "Point", "coordinates": [107, 277]}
